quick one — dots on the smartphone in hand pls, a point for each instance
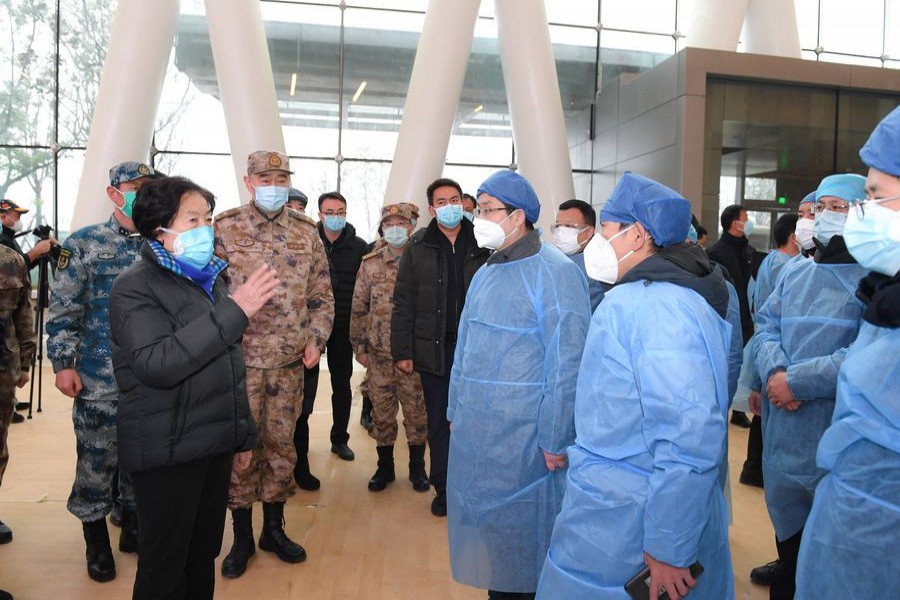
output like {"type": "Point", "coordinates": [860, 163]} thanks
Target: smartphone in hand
{"type": "Point", "coordinates": [639, 585]}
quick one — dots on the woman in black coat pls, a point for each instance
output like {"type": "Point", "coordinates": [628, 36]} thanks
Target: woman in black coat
{"type": "Point", "coordinates": [183, 410]}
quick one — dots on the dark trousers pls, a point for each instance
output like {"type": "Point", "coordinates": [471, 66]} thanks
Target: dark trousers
{"type": "Point", "coordinates": [301, 432]}
{"type": "Point", "coordinates": [437, 391]}
{"type": "Point", "coordinates": [181, 519]}
{"type": "Point", "coordinates": [755, 442]}
{"type": "Point", "coordinates": [784, 587]}
{"type": "Point", "coordinates": [340, 365]}
{"type": "Point", "coordinates": [495, 595]}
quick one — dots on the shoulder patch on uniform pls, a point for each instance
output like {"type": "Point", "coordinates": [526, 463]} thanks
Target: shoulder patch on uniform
{"type": "Point", "coordinates": [372, 254]}
{"type": "Point", "coordinates": [62, 262]}
{"type": "Point", "coordinates": [301, 217]}
{"type": "Point", "coordinates": [229, 213]}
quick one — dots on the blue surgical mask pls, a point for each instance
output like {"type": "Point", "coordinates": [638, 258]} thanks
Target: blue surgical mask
{"type": "Point", "coordinates": [334, 222]}
{"type": "Point", "coordinates": [874, 240]}
{"type": "Point", "coordinates": [748, 227]}
{"type": "Point", "coordinates": [396, 235]}
{"type": "Point", "coordinates": [449, 215]}
{"type": "Point", "coordinates": [692, 234]}
{"type": "Point", "coordinates": [829, 224]}
{"type": "Point", "coordinates": [194, 246]}
{"type": "Point", "coordinates": [469, 215]}
{"type": "Point", "coordinates": [271, 198]}
{"type": "Point", "coordinates": [128, 208]}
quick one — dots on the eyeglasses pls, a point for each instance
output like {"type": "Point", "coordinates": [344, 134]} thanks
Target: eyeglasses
{"type": "Point", "coordinates": [822, 207]}
{"type": "Point", "coordinates": [860, 205]}
{"type": "Point", "coordinates": [485, 211]}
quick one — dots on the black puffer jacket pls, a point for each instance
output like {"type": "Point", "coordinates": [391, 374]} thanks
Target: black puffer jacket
{"type": "Point", "coordinates": [735, 254]}
{"type": "Point", "coordinates": [344, 257]}
{"type": "Point", "coordinates": [418, 322]}
{"type": "Point", "coordinates": [180, 368]}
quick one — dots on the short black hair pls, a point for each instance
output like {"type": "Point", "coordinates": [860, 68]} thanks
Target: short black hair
{"type": "Point", "coordinates": [784, 227]}
{"type": "Point", "coordinates": [158, 201]}
{"type": "Point", "coordinates": [438, 183]}
{"type": "Point", "coordinates": [730, 215]}
{"type": "Point", "coordinates": [333, 195]}
{"type": "Point", "coordinates": [586, 210]}
{"type": "Point", "coordinates": [701, 231]}
{"type": "Point", "coordinates": [510, 209]}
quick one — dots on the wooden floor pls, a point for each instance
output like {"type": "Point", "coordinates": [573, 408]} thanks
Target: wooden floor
{"type": "Point", "coordinates": [360, 544]}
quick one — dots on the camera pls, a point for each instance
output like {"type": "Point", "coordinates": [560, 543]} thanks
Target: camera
{"type": "Point", "coordinates": [43, 232]}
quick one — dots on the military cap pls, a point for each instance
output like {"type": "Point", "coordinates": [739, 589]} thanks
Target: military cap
{"type": "Point", "coordinates": [400, 209]}
{"type": "Point", "coordinates": [263, 161]}
{"type": "Point", "coordinates": [129, 171]}
{"type": "Point", "coordinates": [413, 209]}
{"type": "Point", "coordinates": [10, 206]}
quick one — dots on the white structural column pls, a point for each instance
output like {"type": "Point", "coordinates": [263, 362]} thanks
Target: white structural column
{"type": "Point", "coordinates": [438, 74]}
{"type": "Point", "coordinates": [246, 84]}
{"type": "Point", "coordinates": [532, 89]}
{"type": "Point", "coordinates": [770, 27]}
{"type": "Point", "coordinates": [127, 100]}
{"type": "Point", "coordinates": [713, 24]}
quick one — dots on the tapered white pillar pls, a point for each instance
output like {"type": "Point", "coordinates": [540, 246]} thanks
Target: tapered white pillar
{"type": "Point", "coordinates": [770, 27]}
{"type": "Point", "coordinates": [246, 84]}
{"type": "Point", "coordinates": [713, 24]}
{"type": "Point", "coordinates": [438, 75]}
{"type": "Point", "coordinates": [127, 100]}
{"type": "Point", "coordinates": [535, 107]}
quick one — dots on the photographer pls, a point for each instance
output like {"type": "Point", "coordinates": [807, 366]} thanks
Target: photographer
{"type": "Point", "coordinates": [11, 217]}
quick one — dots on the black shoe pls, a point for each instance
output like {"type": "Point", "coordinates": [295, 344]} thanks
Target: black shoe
{"type": "Point", "coordinates": [767, 574]}
{"type": "Point", "coordinates": [274, 539]}
{"type": "Point", "coordinates": [740, 419]}
{"type": "Point", "coordinates": [343, 451]}
{"type": "Point", "coordinates": [4, 595]}
{"type": "Point", "coordinates": [17, 418]}
{"type": "Point", "coordinates": [365, 419]}
{"type": "Point", "coordinates": [22, 405]}
{"type": "Point", "coordinates": [5, 533]}
{"type": "Point", "coordinates": [385, 473]}
{"type": "Point", "coordinates": [243, 548]}
{"type": "Point", "coordinates": [100, 564]}
{"type": "Point", "coordinates": [115, 515]}
{"type": "Point", "coordinates": [305, 480]}
{"type": "Point", "coordinates": [439, 505]}
{"type": "Point", "coordinates": [417, 474]}
{"type": "Point", "coordinates": [752, 474]}
{"type": "Point", "coordinates": [128, 538]}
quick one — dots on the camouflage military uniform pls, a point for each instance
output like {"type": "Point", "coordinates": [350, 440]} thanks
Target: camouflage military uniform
{"type": "Point", "coordinates": [300, 314]}
{"type": "Point", "coordinates": [17, 322]}
{"type": "Point", "coordinates": [370, 334]}
{"type": "Point", "coordinates": [78, 329]}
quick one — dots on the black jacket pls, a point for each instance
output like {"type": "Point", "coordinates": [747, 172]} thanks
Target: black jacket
{"type": "Point", "coordinates": [418, 322]}
{"type": "Point", "coordinates": [180, 368]}
{"type": "Point", "coordinates": [344, 257]}
{"type": "Point", "coordinates": [736, 254]}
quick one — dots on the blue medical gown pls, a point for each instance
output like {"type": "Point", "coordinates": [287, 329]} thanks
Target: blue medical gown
{"type": "Point", "coordinates": [852, 537]}
{"type": "Point", "coordinates": [650, 413]}
{"type": "Point", "coordinates": [512, 395]}
{"type": "Point", "coordinates": [766, 278]}
{"type": "Point", "coordinates": [806, 326]}
{"type": "Point", "coordinates": [596, 289]}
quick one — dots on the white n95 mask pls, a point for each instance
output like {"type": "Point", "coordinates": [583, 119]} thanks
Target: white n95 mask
{"type": "Point", "coordinates": [600, 259]}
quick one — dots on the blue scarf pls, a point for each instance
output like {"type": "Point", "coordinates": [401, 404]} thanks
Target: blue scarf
{"type": "Point", "coordinates": [205, 278]}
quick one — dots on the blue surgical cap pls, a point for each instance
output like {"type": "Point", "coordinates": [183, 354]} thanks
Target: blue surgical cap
{"type": "Point", "coordinates": [847, 186]}
{"type": "Point", "coordinates": [882, 151]}
{"type": "Point", "coordinates": [661, 210]}
{"type": "Point", "coordinates": [514, 190]}
{"type": "Point", "coordinates": [810, 197]}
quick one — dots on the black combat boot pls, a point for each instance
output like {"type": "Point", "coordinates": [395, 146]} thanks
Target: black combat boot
{"type": "Point", "coordinates": [385, 473]}
{"type": "Point", "coordinates": [305, 480]}
{"type": "Point", "coordinates": [274, 539]}
{"type": "Point", "coordinates": [128, 538]}
{"type": "Point", "coordinates": [243, 548]}
{"type": "Point", "coordinates": [417, 474]}
{"type": "Point", "coordinates": [365, 415]}
{"type": "Point", "coordinates": [100, 564]}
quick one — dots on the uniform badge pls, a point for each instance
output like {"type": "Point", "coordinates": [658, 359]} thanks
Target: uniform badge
{"type": "Point", "coordinates": [106, 256]}
{"type": "Point", "coordinates": [292, 246]}
{"type": "Point", "coordinates": [62, 263]}
{"type": "Point", "coordinates": [274, 160]}
{"type": "Point", "coordinates": [245, 242]}
{"type": "Point", "coordinates": [144, 170]}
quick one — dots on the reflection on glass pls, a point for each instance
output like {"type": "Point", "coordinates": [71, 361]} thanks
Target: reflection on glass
{"type": "Point", "coordinates": [657, 16]}
{"type": "Point", "coordinates": [762, 229]}
{"type": "Point", "coordinates": [622, 52]}
{"type": "Point", "coordinates": [379, 50]}
{"type": "Point", "coordinates": [84, 34]}
{"type": "Point", "coordinates": [858, 114]}
{"type": "Point", "coordinates": [363, 184]}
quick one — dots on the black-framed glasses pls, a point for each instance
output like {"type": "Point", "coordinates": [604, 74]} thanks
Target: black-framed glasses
{"type": "Point", "coordinates": [486, 211]}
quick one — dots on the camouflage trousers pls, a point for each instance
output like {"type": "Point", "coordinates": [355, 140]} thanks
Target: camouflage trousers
{"type": "Point", "coordinates": [390, 388]}
{"type": "Point", "coordinates": [7, 407]}
{"type": "Point", "coordinates": [276, 398]}
{"type": "Point", "coordinates": [97, 460]}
